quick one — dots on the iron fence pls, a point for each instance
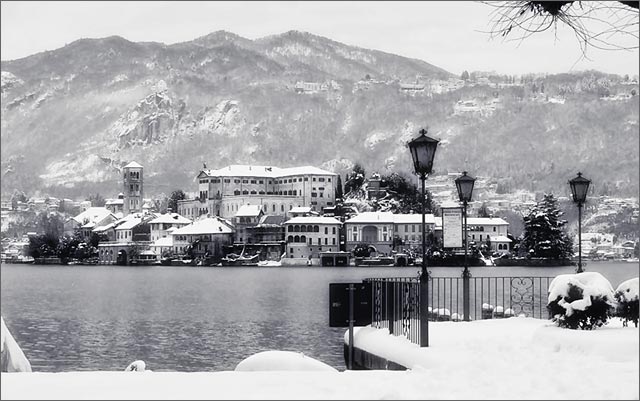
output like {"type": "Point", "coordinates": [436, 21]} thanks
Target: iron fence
{"type": "Point", "coordinates": [395, 303]}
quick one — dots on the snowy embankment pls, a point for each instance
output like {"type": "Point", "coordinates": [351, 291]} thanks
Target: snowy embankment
{"type": "Point", "coordinates": [515, 358]}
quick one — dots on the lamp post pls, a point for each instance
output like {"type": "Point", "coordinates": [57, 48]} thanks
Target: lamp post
{"type": "Point", "coordinates": [464, 184]}
{"type": "Point", "coordinates": [423, 150]}
{"type": "Point", "coordinates": [579, 187]}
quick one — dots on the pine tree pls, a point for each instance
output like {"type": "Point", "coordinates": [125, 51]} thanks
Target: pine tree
{"type": "Point", "coordinates": [544, 235]}
{"type": "Point", "coordinates": [339, 188]}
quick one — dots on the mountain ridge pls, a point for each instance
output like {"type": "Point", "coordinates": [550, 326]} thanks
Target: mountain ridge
{"type": "Point", "coordinates": [71, 116]}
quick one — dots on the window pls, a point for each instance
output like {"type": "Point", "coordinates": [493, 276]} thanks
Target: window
{"type": "Point", "coordinates": [480, 237]}
{"type": "Point", "coordinates": [261, 182]}
{"type": "Point", "coordinates": [314, 179]}
{"type": "Point", "coordinates": [333, 230]}
{"type": "Point", "coordinates": [326, 230]}
{"type": "Point", "coordinates": [253, 192]}
{"type": "Point", "coordinates": [295, 180]}
{"type": "Point", "coordinates": [494, 229]}
{"type": "Point", "coordinates": [306, 178]}
{"type": "Point", "coordinates": [227, 180]}
{"type": "Point", "coordinates": [406, 237]}
{"type": "Point", "coordinates": [321, 179]}
{"type": "Point", "coordinates": [321, 195]}
{"type": "Point", "coordinates": [253, 181]}
{"type": "Point", "coordinates": [413, 228]}
{"type": "Point", "coordinates": [326, 241]}
{"type": "Point", "coordinates": [245, 181]}
{"type": "Point", "coordinates": [274, 207]}
{"type": "Point", "coordinates": [245, 192]}
{"type": "Point", "coordinates": [333, 241]}
{"type": "Point", "coordinates": [290, 180]}
{"type": "Point", "coordinates": [314, 195]}
{"type": "Point", "coordinates": [236, 181]}
{"type": "Point", "coordinates": [311, 242]}
{"type": "Point", "coordinates": [319, 241]}
{"type": "Point", "coordinates": [282, 208]}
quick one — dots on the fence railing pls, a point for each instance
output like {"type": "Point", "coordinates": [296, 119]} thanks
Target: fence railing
{"type": "Point", "coordinates": [395, 302]}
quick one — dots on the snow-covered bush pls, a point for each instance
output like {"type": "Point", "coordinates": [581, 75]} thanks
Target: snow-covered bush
{"type": "Point", "coordinates": [580, 301]}
{"type": "Point", "coordinates": [627, 297]}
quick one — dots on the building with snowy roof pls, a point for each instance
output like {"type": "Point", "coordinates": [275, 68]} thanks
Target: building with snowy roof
{"type": "Point", "coordinates": [307, 236]}
{"type": "Point", "coordinates": [88, 220]}
{"type": "Point", "coordinates": [207, 236]}
{"type": "Point", "coordinates": [161, 225]}
{"type": "Point", "coordinates": [276, 190]}
{"type": "Point", "coordinates": [385, 230]}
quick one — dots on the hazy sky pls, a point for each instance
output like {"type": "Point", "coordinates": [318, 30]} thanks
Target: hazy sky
{"type": "Point", "coordinates": [450, 35]}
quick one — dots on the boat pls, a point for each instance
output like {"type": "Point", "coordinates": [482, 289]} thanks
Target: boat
{"type": "Point", "coordinates": [239, 260]}
{"type": "Point", "coordinates": [375, 261]}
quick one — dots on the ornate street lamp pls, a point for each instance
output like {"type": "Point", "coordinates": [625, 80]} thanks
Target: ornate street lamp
{"type": "Point", "coordinates": [579, 189]}
{"type": "Point", "coordinates": [423, 150]}
{"type": "Point", "coordinates": [464, 184]}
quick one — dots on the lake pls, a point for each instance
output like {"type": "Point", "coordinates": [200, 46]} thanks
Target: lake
{"type": "Point", "coordinates": [81, 318]}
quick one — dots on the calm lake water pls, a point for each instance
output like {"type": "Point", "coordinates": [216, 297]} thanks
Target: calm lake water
{"type": "Point", "coordinates": [78, 318]}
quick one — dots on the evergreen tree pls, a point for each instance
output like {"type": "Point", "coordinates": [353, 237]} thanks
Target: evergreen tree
{"type": "Point", "coordinates": [355, 179]}
{"type": "Point", "coordinates": [339, 188]}
{"type": "Point", "coordinates": [465, 75]}
{"type": "Point", "coordinates": [544, 234]}
{"type": "Point", "coordinates": [176, 195]}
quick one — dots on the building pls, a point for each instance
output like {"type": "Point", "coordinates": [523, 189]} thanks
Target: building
{"type": "Point", "coordinates": [276, 190]}
{"type": "Point", "coordinates": [133, 181]}
{"type": "Point", "coordinates": [207, 237]}
{"type": "Point", "coordinates": [248, 216]}
{"type": "Point", "coordinates": [162, 223]}
{"type": "Point", "coordinates": [385, 230]}
{"type": "Point", "coordinates": [89, 220]}
{"type": "Point", "coordinates": [488, 230]}
{"type": "Point", "coordinates": [307, 236]}
{"type": "Point", "coordinates": [116, 206]}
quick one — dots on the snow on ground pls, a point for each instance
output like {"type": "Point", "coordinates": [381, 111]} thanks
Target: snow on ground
{"type": "Point", "coordinates": [282, 361]}
{"type": "Point", "coordinates": [515, 358]}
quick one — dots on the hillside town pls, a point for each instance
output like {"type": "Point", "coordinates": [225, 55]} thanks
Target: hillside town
{"type": "Point", "coordinates": [267, 215]}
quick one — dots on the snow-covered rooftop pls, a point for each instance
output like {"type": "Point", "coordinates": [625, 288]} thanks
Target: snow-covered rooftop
{"type": "Point", "coordinates": [133, 164]}
{"type": "Point", "coordinates": [500, 238]}
{"type": "Point", "coordinates": [390, 218]}
{"type": "Point", "coordinates": [242, 170]}
{"type": "Point", "coordinates": [312, 220]}
{"type": "Point", "coordinates": [209, 225]}
{"type": "Point", "coordinates": [486, 221]}
{"type": "Point", "coordinates": [170, 218]}
{"type": "Point", "coordinates": [300, 209]}
{"type": "Point", "coordinates": [92, 215]}
{"type": "Point", "coordinates": [249, 211]}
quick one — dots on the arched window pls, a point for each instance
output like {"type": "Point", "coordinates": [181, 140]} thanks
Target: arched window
{"type": "Point", "coordinates": [296, 238]}
{"type": "Point", "coordinates": [303, 238]}
{"type": "Point", "coordinates": [296, 228]}
{"type": "Point", "coordinates": [310, 228]}
{"type": "Point", "coordinates": [236, 192]}
{"type": "Point", "coordinates": [245, 192]}
{"type": "Point", "coordinates": [303, 228]}
{"type": "Point", "coordinates": [290, 229]}
{"type": "Point", "coordinates": [316, 229]}
{"type": "Point", "coordinates": [290, 238]}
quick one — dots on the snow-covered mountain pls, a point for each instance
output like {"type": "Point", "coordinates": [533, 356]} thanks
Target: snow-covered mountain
{"type": "Point", "coordinates": [73, 116]}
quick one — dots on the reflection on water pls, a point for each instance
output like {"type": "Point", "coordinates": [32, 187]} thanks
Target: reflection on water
{"type": "Point", "coordinates": [73, 318]}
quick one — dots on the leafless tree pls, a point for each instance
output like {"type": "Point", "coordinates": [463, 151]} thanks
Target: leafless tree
{"type": "Point", "coordinates": [605, 25]}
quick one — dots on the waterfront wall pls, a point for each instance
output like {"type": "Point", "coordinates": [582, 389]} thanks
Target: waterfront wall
{"type": "Point", "coordinates": [365, 360]}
